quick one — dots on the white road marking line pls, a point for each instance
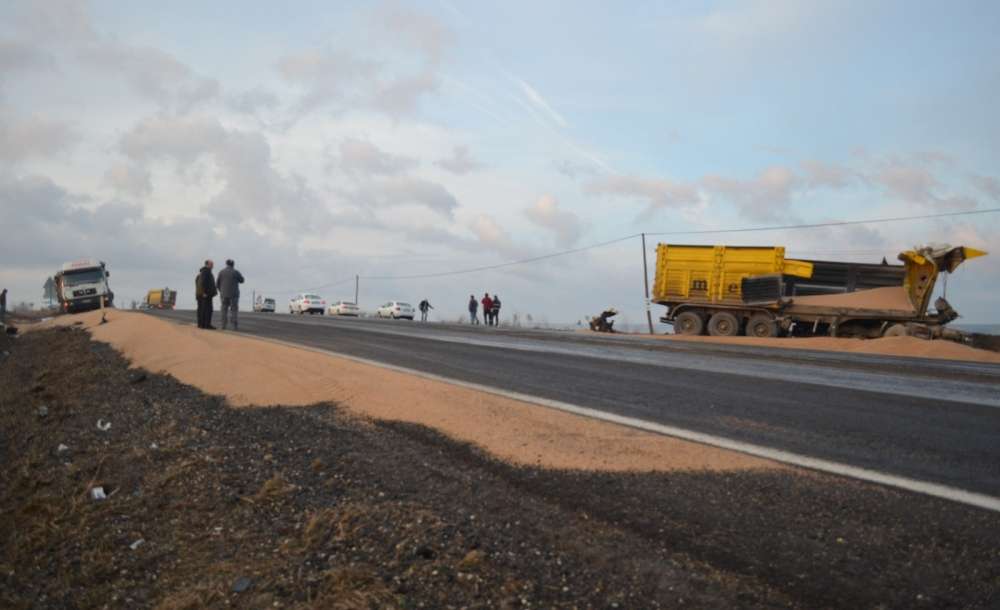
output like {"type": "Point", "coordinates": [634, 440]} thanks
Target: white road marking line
{"type": "Point", "coordinates": [786, 457]}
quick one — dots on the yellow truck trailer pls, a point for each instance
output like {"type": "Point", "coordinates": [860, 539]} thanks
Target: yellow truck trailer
{"type": "Point", "coordinates": [732, 290]}
{"type": "Point", "coordinates": [161, 298]}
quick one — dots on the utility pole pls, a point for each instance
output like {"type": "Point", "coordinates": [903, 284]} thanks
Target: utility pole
{"type": "Point", "coordinates": [645, 280]}
{"type": "Point", "coordinates": [356, 278]}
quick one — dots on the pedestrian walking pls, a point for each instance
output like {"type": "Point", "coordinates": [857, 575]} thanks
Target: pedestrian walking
{"type": "Point", "coordinates": [3, 306]}
{"type": "Point", "coordinates": [204, 292]}
{"type": "Point", "coordinates": [473, 309]}
{"type": "Point", "coordinates": [487, 308]}
{"type": "Point", "coordinates": [424, 307]}
{"type": "Point", "coordinates": [229, 293]}
{"type": "Point", "coordinates": [495, 310]}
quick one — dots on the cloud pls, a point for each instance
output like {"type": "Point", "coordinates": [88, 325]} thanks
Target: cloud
{"type": "Point", "coordinates": [400, 96]}
{"type": "Point", "coordinates": [361, 157]}
{"type": "Point", "coordinates": [392, 85]}
{"type": "Point", "coordinates": [34, 136]}
{"type": "Point", "coordinates": [67, 28]}
{"type": "Point", "coordinates": [129, 179]}
{"type": "Point", "coordinates": [325, 77]}
{"type": "Point", "coordinates": [253, 189]}
{"type": "Point", "coordinates": [419, 31]}
{"type": "Point", "coordinates": [915, 183]}
{"type": "Point", "coordinates": [765, 197]}
{"type": "Point", "coordinates": [821, 174]}
{"type": "Point", "coordinates": [253, 100]}
{"type": "Point", "coordinates": [182, 139]}
{"type": "Point", "coordinates": [461, 162]}
{"type": "Point", "coordinates": [987, 184]}
{"type": "Point", "coordinates": [563, 224]}
{"type": "Point", "coordinates": [19, 55]}
{"type": "Point", "coordinates": [490, 234]}
{"type": "Point", "coordinates": [151, 73]}
{"type": "Point", "coordinates": [658, 193]}
{"type": "Point", "coordinates": [406, 190]}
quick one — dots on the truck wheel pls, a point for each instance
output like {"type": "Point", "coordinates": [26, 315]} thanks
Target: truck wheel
{"type": "Point", "coordinates": [689, 323]}
{"type": "Point", "coordinates": [723, 324]}
{"type": "Point", "coordinates": [762, 325]}
{"type": "Point", "coordinates": [896, 330]}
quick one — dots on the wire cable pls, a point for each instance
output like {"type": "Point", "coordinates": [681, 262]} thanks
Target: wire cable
{"type": "Point", "coordinates": [840, 223]}
{"type": "Point", "coordinates": [500, 265]}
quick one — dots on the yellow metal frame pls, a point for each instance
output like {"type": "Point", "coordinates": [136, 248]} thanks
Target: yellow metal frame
{"type": "Point", "coordinates": [922, 271]}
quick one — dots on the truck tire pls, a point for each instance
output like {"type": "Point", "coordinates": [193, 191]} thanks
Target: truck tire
{"type": "Point", "coordinates": [689, 323]}
{"type": "Point", "coordinates": [762, 325]}
{"type": "Point", "coordinates": [723, 324]}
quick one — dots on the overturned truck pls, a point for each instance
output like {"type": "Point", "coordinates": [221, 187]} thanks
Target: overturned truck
{"type": "Point", "coordinates": [756, 291]}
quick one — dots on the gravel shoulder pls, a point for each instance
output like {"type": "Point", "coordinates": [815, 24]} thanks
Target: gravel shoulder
{"type": "Point", "coordinates": [312, 507]}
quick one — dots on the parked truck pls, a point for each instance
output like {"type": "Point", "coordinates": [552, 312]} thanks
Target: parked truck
{"type": "Point", "coordinates": [82, 285]}
{"type": "Point", "coordinates": [160, 298]}
{"type": "Point", "coordinates": [733, 290]}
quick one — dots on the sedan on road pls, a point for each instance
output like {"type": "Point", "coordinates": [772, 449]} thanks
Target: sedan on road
{"type": "Point", "coordinates": [344, 308]}
{"type": "Point", "coordinates": [307, 303]}
{"type": "Point", "coordinates": [395, 310]}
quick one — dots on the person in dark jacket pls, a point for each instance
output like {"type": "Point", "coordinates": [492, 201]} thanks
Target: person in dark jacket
{"type": "Point", "coordinates": [205, 291]}
{"type": "Point", "coordinates": [3, 306]}
{"type": "Point", "coordinates": [424, 307]}
{"type": "Point", "coordinates": [473, 308]}
{"type": "Point", "coordinates": [495, 310]}
{"type": "Point", "coordinates": [229, 293]}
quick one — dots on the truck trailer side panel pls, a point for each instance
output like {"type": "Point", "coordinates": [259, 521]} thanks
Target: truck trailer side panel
{"type": "Point", "coordinates": [715, 273]}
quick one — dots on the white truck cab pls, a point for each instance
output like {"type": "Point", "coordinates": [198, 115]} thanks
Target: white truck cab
{"type": "Point", "coordinates": [82, 285]}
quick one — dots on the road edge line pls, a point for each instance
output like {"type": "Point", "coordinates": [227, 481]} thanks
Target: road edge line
{"type": "Point", "coordinates": [936, 490]}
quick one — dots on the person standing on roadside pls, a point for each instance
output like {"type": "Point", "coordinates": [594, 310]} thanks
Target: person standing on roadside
{"type": "Point", "coordinates": [229, 293]}
{"type": "Point", "coordinates": [495, 310]}
{"type": "Point", "coordinates": [3, 306]}
{"type": "Point", "coordinates": [473, 308]}
{"type": "Point", "coordinates": [424, 307]}
{"type": "Point", "coordinates": [205, 291]}
{"type": "Point", "coordinates": [487, 309]}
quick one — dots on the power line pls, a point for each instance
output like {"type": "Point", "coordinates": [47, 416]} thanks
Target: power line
{"type": "Point", "coordinates": [634, 235]}
{"type": "Point", "coordinates": [840, 223]}
{"type": "Point", "coordinates": [500, 265]}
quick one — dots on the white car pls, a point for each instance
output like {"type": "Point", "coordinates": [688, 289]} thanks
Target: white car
{"type": "Point", "coordinates": [344, 308]}
{"type": "Point", "coordinates": [394, 310]}
{"type": "Point", "coordinates": [307, 303]}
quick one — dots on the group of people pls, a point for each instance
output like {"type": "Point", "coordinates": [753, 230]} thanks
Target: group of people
{"type": "Point", "coordinates": [491, 309]}
{"type": "Point", "coordinates": [226, 286]}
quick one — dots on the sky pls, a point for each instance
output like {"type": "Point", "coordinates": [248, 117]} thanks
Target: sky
{"type": "Point", "coordinates": [314, 142]}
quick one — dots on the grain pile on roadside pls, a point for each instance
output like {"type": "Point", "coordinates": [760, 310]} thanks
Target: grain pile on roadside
{"type": "Point", "coordinates": [909, 347]}
{"type": "Point", "coordinates": [249, 371]}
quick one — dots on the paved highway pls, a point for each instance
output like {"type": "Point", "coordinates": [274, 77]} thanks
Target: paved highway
{"type": "Point", "coordinates": [929, 420]}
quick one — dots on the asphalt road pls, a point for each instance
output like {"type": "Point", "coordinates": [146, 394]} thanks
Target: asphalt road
{"type": "Point", "coordinates": [930, 420]}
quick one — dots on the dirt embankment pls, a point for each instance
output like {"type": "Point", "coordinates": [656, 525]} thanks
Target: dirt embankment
{"type": "Point", "coordinates": [210, 506]}
{"type": "Point", "coordinates": [253, 372]}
